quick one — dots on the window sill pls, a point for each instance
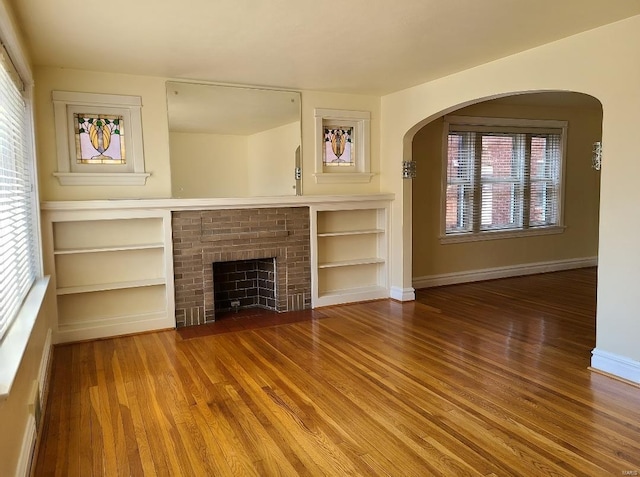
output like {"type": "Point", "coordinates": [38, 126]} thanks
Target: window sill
{"type": "Point", "coordinates": [342, 177]}
{"type": "Point", "coordinates": [501, 234]}
{"type": "Point", "coordinates": [14, 343]}
{"type": "Point", "coordinates": [101, 179]}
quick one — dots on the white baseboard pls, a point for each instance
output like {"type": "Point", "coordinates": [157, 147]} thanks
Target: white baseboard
{"type": "Point", "coordinates": [503, 272]}
{"type": "Point", "coordinates": [403, 294]}
{"type": "Point", "coordinates": [616, 365]}
{"type": "Point", "coordinates": [45, 364]}
{"type": "Point", "coordinates": [118, 326]}
{"type": "Point", "coordinates": [39, 391]}
{"type": "Point", "coordinates": [351, 295]}
{"type": "Point", "coordinates": [27, 448]}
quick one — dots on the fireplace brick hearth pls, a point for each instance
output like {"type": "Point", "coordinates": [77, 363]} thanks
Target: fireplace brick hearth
{"type": "Point", "coordinates": [201, 238]}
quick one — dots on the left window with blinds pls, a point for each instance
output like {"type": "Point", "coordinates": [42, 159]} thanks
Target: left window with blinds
{"type": "Point", "coordinates": [19, 250]}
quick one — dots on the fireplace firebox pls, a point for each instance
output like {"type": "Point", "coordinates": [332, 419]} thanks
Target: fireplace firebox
{"type": "Point", "coordinates": [244, 284]}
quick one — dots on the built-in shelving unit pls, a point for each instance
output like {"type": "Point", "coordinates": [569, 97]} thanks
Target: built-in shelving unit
{"type": "Point", "coordinates": [349, 252]}
{"type": "Point", "coordinates": [112, 270]}
{"type": "Point", "coordinates": [111, 261]}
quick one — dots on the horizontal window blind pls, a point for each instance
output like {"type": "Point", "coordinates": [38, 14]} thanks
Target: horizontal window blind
{"type": "Point", "coordinates": [460, 181]}
{"type": "Point", "coordinates": [17, 241]}
{"type": "Point", "coordinates": [502, 178]}
{"type": "Point", "coordinates": [545, 180]}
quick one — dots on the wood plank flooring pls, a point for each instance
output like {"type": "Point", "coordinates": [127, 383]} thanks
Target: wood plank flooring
{"type": "Point", "coordinates": [483, 379]}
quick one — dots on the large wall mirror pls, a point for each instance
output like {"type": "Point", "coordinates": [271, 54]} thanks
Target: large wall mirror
{"type": "Point", "coordinates": [230, 141]}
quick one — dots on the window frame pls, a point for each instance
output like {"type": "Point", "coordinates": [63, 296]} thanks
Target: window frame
{"type": "Point", "coordinates": [360, 121]}
{"type": "Point", "coordinates": [14, 343]}
{"type": "Point", "coordinates": [69, 172]}
{"type": "Point", "coordinates": [501, 125]}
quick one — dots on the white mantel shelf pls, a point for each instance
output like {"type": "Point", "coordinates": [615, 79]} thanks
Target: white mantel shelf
{"type": "Point", "coordinates": [213, 203]}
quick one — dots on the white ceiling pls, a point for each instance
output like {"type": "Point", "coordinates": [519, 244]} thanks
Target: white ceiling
{"type": "Point", "coordinates": [354, 46]}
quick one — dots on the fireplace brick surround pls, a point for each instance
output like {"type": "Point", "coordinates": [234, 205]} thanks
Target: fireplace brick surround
{"type": "Point", "coordinates": [204, 237]}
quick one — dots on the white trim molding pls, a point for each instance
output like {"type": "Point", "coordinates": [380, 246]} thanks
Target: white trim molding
{"type": "Point", "coordinates": [27, 448]}
{"type": "Point", "coordinates": [615, 365]}
{"type": "Point", "coordinates": [501, 234]}
{"type": "Point", "coordinates": [503, 272]}
{"type": "Point", "coordinates": [98, 179]}
{"type": "Point", "coordinates": [45, 368]}
{"type": "Point", "coordinates": [343, 177]}
{"type": "Point", "coordinates": [214, 204]}
{"type": "Point", "coordinates": [14, 343]}
{"type": "Point", "coordinates": [403, 294]}
{"type": "Point", "coordinates": [70, 172]}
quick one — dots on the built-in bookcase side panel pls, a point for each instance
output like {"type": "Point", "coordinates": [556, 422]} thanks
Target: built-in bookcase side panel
{"type": "Point", "coordinates": [113, 272]}
{"type": "Point", "coordinates": [350, 253]}
{"type": "Point", "coordinates": [382, 217]}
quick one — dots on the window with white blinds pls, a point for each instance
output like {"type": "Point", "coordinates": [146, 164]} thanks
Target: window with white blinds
{"type": "Point", "coordinates": [18, 250]}
{"type": "Point", "coordinates": [502, 175]}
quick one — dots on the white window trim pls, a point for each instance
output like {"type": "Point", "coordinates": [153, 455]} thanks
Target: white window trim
{"type": "Point", "coordinates": [69, 172]}
{"type": "Point", "coordinates": [15, 341]}
{"type": "Point", "coordinates": [515, 123]}
{"type": "Point", "coordinates": [14, 344]}
{"type": "Point", "coordinates": [501, 234]}
{"type": "Point", "coordinates": [361, 121]}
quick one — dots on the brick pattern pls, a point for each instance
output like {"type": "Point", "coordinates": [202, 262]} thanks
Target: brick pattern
{"type": "Point", "coordinates": [202, 238]}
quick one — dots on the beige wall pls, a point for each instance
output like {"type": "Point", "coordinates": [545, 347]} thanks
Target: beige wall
{"type": "Point", "coordinates": [154, 124]}
{"type": "Point", "coordinates": [564, 65]}
{"type": "Point", "coordinates": [272, 158]}
{"type": "Point", "coordinates": [201, 165]}
{"type": "Point", "coordinates": [582, 192]}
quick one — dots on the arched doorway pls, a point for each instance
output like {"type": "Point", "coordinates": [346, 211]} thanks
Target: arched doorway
{"type": "Point", "coordinates": [436, 261]}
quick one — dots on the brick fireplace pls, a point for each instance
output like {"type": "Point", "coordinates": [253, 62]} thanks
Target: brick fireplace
{"type": "Point", "coordinates": [202, 238]}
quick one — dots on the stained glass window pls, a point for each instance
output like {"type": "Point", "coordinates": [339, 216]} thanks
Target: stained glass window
{"type": "Point", "coordinates": [99, 139]}
{"type": "Point", "coordinates": [338, 146]}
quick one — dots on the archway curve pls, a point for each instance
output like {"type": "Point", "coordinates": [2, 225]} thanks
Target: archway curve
{"type": "Point", "coordinates": [408, 154]}
{"type": "Point", "coordinates": [410, 133]}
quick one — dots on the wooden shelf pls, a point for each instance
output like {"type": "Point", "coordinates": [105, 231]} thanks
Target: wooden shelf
{"type": "Point", "coordinates": [115, 248]}
{"type": "Point", "coordinates": [351, 232]}
{"type": "Point", "coordinates": [110, 286]}
{"type": "Point", "coordinates": [349, 263]}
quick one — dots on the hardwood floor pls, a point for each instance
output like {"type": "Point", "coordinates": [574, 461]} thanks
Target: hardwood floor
{"type": "Point", "coordinates": [479, 379]}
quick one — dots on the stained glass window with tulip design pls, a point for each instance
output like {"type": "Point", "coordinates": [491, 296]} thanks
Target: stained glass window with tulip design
{"type": "Point", "coordinates": [99, 139]}
{"type": "Point", "coordinates": [338, 146]}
